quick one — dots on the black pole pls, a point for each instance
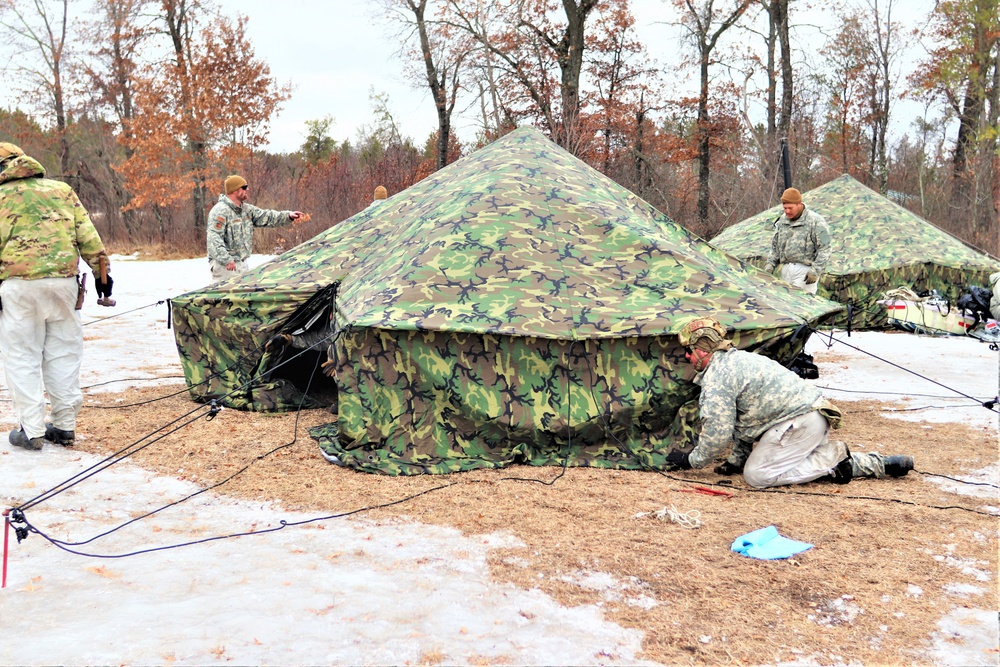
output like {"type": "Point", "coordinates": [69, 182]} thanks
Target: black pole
{"type": "Point", "coordinates": [785, 166]}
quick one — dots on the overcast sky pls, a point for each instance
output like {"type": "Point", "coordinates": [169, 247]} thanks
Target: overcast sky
{"type": "Point", "coordinates": [335, 53]}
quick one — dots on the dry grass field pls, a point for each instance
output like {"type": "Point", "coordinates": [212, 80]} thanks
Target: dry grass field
{"type": "Point", "coordinates": [870, 591]}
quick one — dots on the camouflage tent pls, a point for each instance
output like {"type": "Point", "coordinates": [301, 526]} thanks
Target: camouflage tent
{"type": "Point", "coordinates": [877, 245]}
{"type": "Point", "coordinates": [514, 306]}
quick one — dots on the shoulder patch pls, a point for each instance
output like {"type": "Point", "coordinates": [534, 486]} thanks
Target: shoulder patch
{"type": "Point", "coordinates": [219, 225]}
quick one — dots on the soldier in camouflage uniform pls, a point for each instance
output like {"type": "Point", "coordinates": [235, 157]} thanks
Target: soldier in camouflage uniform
{"type": "Point", "coordinates": [230, 228]}
{"type": "Point", "coordinates": [44, 230]}
{"type": "Point", "coordinates": [778, 424]}
{"type": "Point", "coordinates": [801, 244]}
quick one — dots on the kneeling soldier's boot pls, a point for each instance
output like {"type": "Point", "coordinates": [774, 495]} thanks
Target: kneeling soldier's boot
{"type": "Point", "coordinates": [898, 466]}
{"type": "Point", "coordinates": [59, 436]}
{"type": "Point", "coordinates": [844, 472]}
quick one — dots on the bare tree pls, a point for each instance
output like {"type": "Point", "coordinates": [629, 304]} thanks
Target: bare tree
{"type": "Point", "coordinates": [961, 70]}
{"type": "Point", "coordinates": [37, 36]}
{"type": "Point", "coordinates": [542, 59]}
{"type": "Point", "coordinates": [704, 25]}
{"type": "Point", "coordinates": [117, 35]}
{"type": "Point", "coordinates": [442, 56]}
{"type": "Point", "coordinates": [883, 47]}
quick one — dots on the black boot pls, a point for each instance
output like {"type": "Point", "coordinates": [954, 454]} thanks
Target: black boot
{"type": "Point", "coordinates": [59, 436]}
{"type": "Point", "coordinates": [19, 438]}
{"type": "Point", "coordinates": [898, 466]}
{"type": "Point", "coordinates": [843, 473]}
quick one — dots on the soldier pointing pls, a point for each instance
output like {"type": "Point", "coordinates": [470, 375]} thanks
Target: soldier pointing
{"type": "Point", "coordinates": [230, 228]}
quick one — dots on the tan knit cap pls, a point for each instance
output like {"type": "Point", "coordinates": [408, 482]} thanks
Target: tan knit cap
{"type": "Point", "coordinates": [9, 150]}
{"type": "Point", "coordinates": [381, 192]}
{"type": "Point", "coordinates": [234, 183]}
{"type": "Point", "coordinates": [791, 196]}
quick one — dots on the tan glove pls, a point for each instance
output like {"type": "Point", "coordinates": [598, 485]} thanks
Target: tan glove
{"type": "Point", "coordinates": [811, 277]}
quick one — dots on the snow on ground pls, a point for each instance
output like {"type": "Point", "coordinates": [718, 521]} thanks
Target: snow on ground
{"type": "Point", "coordinates": [315, 593]}
{"type": "Point", "coordinates": [922, 371]}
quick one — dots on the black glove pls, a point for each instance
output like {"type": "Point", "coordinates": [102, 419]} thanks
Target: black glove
{"type": "Point", "coordinates": [103, 288]}
{"type": "Point", "coordinates": [679, 460]}
{"type": "Point", "coordinates": [278, 343]}
{"type": "Point", "coordinates": [727, 468]}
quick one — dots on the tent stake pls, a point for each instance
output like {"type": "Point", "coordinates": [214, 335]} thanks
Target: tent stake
{"type": "Point", "coordinates": [6, 541]}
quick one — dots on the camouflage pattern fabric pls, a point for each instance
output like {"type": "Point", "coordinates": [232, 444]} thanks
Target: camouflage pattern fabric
{"type": "Point", "coordinates": [805, 240]}
{"type": "Point", "coordinates": [876, 246]}
{"type": "Point", "coordinates": [230, 229]}
{"type": "Point", "coordinates": [44, 228]}
{"type": "Point", "coordinates": [743, 395]}
{"type": "Point", "coordinates": [867, 464]}
{"type": "Point", "coordinates": [515, 305]}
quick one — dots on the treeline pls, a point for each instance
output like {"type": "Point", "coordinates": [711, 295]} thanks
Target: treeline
{"type": "Point", "coordinates": [145, 105]}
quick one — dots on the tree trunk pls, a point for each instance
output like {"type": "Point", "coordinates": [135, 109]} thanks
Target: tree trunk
{"type": "Point", "coordinates": [437, 81]}
{"type": "Point", "coordinates": [176, 16]}
{"type": "Point", "coordinates": [785, 119]}
{"type": "Point", "coordinates": [570, 56]}
{"type": "Point", "coordinates": [704, 146]}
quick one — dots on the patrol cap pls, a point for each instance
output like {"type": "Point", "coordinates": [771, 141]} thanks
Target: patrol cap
{"type": "Point", "coordinates": [698, 328]}
{"type": "Point", "coordinates": [8, 151]}
{"type": "Point", "coordinates": [381, 192]}
{"type": "Point", "coordinates": [791, 196]}
{"type": "Point", "coordinates": [234, 183]}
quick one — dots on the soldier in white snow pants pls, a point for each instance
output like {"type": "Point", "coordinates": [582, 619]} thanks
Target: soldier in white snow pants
{"type": "Point", "coordinates": [40, 329]}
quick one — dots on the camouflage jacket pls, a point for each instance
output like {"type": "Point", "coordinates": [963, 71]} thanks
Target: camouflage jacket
{"type": "Point", "coordinates": [230, 228]}
{"type": "Point", "coordinates": [742, 395]}
{"type": "Point", "coordinates": [44, 229]}
{"type": "Point", "coordinates": [805, 240]}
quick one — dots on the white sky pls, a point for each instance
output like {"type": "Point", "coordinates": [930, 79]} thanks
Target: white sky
{"type": "Point", "coordinates": [334, 53]}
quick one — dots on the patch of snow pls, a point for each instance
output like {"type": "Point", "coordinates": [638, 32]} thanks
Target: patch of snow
{"type": "Point", "coordinates": [326, 592]}
{"type": "Point", "coordinates": [967, 566]}
{"type": "Point", "coordinates": [963, 590]}
{"type": "Point", "coordinates": [872, 365]}
{"type": "Point", "coordinates": [966, 638]}
{"type": "Point", "coordinates": [977, 480]}
{"type": "Point", "coordinates": [838, 611]}
{"type": "Point", "coordinates": [612, 589]}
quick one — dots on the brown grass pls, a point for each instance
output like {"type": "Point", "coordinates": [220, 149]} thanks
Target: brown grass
{"type": "Point", "coordinates": [151, 252]}
{"type": "Point", "coordinates": [873, 538]}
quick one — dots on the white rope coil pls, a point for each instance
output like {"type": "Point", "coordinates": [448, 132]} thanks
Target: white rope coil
{"type": "Point", "coordinates": [690, 519]}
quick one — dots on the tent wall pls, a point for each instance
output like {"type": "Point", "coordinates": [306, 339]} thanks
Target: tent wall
{"type": "Point", "coordinates": [437, 402]}
{"type": "Point", "coordinates": [220, 341]}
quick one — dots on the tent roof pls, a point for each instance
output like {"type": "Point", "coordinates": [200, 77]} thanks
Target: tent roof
{"type": "Point", "coordinates": [868, 232]}
{"type": "Point", "coordinates": [519, 238]}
